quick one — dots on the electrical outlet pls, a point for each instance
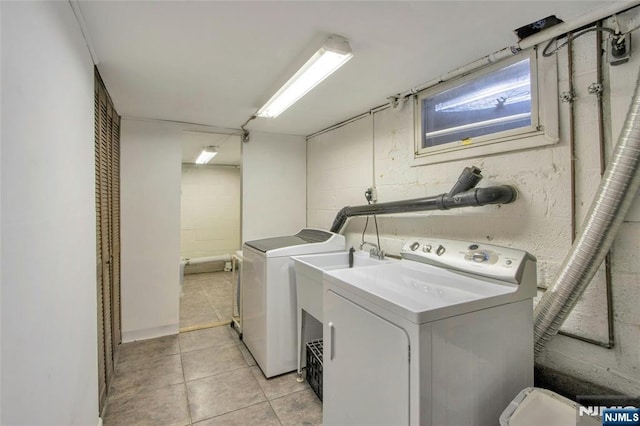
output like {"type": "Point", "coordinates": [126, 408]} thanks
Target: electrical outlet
{"type": "Point", "coordinates": [619, 53]}
{"type": "Point", "coordinates": [374, 194]}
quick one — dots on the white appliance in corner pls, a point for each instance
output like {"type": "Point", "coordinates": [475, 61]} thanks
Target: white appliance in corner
{"type": "Point", "coordinates": [269, 295]}
{"type": "Point", "coordinates": [442, 337]}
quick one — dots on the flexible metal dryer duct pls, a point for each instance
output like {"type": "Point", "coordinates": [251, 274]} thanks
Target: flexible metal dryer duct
{"type": "Point", "coordinates": [463, 194]}
{"type": "Point", "coordinates": [617, 190]}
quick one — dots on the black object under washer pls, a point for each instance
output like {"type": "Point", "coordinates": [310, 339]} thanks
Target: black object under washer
{"type": "Point", "coordinates": [314, 366]}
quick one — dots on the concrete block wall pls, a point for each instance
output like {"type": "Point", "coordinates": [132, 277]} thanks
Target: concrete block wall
{"type": "Point", "coordinates": [333, 164]}
{"type": "Point", "coordinates": [209, 210]}
{"type": "Point", "coordinates": [340, 167]}
{"type": "Point", "coordinates": [274, 178]}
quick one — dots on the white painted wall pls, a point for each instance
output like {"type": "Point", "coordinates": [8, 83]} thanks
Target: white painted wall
{"type": "Point", "coordinates": [0, 232]}
{"type": "Point", "coordinates": [339, 170]}
{"type": "Point", "coordinates": [48, 303]}
{"type": "Point", "coordinates": [150, 158]}
{"type": "Point", "coordinates": [209, 210]}
{"type": "Point", "coordinates": [273, 185]}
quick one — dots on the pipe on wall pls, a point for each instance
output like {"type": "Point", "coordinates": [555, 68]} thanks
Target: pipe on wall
{"type": "Point", "coordinates": [463, 194]}
{"type": "Point", "coordinates": [616, 192]}
{"type": "Point", "coordinates": [197, 260]}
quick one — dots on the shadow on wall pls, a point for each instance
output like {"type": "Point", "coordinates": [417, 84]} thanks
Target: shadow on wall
{"type": "Point", "coordinates": [478, 226]}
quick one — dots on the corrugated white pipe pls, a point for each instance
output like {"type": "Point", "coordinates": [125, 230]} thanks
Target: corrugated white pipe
{"type": "Point", "coordinates": [197, 260]}
{"type": "Point", "coordinates": [617, 191]}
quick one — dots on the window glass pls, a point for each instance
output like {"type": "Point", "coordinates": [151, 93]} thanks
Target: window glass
{"type": "Point", "coordinates": [492, 103]}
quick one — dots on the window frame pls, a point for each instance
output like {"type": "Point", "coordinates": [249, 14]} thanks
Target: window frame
{"type": "Point", "coordinates": [543, 129]}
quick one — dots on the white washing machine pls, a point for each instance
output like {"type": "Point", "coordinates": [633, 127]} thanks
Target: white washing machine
{"type": "Point", "coordinates": [269, 295]}
{"type": "Point", "coordinates": [442, 337]}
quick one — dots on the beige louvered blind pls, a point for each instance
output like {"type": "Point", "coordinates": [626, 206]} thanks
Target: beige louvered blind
{"type": "Point", "coordinates": [102, 379]}
{"type": "Point", "coordinates": [107, 152]}
{"type": "Point", "coordinates": [115, 219]}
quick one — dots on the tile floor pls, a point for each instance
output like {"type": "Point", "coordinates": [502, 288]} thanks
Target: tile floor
{"type": "Point", "coordinates": [206, 299]}
{"type": "Point", "coordinates": [205, 377]}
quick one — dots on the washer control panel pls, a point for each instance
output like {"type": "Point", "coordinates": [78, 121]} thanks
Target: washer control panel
{"type": "Point", "coordinates": [501, 263]}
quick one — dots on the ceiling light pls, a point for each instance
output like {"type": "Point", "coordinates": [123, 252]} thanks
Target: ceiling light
{"type": "Point", "coordinates": [332, 55]}
{"type": "Point", "coordinates": [207, 154]}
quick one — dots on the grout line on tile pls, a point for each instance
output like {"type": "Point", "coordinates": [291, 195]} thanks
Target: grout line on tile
{"type": "Point", "coordinates": [293, 393]}
{"type": "Point", "coordinates": [217, 374]}
{"type": "Point", "coordinates": [237, 409]}
{"type": "Point", "coordinates": [275, 399]}
{"type": "Point", "coordinates": [186, 390]}
{"type": "Point", "coordinates": [264, 394]}
{"type": "Point", "coordinates": [285, 396]}
{"type": "Point", "coordinates": [275, 412]}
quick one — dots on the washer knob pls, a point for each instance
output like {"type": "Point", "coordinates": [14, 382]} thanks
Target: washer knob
{"type": "Point", "coordinates": [414, 246]}
{"type": "Point", "coordinates": [427, 248]}
{"type": "Point", "coordinates": [479, 257]}
{"type": "Point", "coordinates": [440, 250]}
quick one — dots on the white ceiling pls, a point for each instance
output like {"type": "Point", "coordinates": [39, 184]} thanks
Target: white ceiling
{"type": "Point", "coordinates": [216, 62]}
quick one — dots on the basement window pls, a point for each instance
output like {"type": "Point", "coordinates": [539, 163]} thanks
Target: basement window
{"type": "Point", "coordinates": [492, 110]}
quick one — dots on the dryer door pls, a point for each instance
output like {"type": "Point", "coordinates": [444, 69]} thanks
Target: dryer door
{"type": "Point", "coordinates": [365, 366]}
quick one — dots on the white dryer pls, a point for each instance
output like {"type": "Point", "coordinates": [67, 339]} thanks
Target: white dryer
{"type": "Point", "coordinates": [269, 295]}
{"type": "Point", "coordinates": [442, 337]}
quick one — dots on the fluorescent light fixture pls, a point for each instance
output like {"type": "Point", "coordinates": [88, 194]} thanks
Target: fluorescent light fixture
{"type": "Point", "coordinates": [332, 55]}
{"type": "Point", "coordinates": [206, 155]}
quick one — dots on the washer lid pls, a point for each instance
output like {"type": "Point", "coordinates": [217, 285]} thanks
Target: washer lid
{"type": "Point", "coordinates": [423, 293]}
{"type": "Point", "coordinates": [305, 236]}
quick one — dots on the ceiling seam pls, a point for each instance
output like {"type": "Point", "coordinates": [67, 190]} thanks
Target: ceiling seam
{"type": "Point", "coordinates": [215, 129]}
{"type": "Point", "coordinates": [75, 7]}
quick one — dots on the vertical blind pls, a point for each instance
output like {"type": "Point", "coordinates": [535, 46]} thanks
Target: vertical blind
{"type": "Point", "coordinates": [107, 176]}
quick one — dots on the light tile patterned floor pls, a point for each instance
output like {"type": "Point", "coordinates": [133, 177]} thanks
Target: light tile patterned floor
{"type": "Point", "coordinates": [206, 299]}
{"type": "Point", "coordinates": [205, 377]}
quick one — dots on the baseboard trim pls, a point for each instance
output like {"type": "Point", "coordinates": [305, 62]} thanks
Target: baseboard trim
{"type": "Point", "coordinates": [99, 421]}
{"type": "Point", "coordinates": [149, 333]}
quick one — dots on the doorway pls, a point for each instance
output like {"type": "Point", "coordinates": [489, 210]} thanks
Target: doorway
{"type": "Point", "coordinates": [209, 228]}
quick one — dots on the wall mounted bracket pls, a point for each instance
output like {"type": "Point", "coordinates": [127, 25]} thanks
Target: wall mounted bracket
{"type": "Point", "coordinates": [619, 49]}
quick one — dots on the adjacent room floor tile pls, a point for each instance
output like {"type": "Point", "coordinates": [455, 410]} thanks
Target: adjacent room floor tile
{"type": "Point", "coordinates": [223, 312]}
{"type": "Point", "coordinates": [216, 395]}
{"type": "Point", "coordinates": [219, 299]}
{"type": "Point", "coordinates": [191, 299]}
{"type": "Point", "coordinates": [206, 299]}
{"type": "Point", "coordinates": [200, 316]}
{"type": "Point", "coordinates": [260, 414]}
{"type": "Point", "coordinates": [208, 337]}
